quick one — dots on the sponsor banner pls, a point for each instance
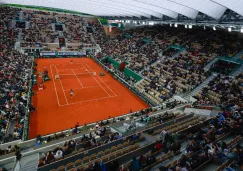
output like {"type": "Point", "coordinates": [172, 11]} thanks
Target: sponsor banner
{"type": "Point", "coordinates": [61, 54]}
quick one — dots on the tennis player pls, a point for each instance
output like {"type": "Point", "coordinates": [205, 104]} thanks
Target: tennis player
{"type": "Point", "coordinates": [72, 93]}
{"type": "Point", "coordinates": [71, 62]}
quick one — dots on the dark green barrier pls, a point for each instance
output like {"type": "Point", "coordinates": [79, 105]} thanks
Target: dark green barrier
{"type": "Point", "coordinates": [127, 72]}
{"type": "Point", "coordinates": [27, 111]}
{"type": "Point", "coordinates": [130, 73]}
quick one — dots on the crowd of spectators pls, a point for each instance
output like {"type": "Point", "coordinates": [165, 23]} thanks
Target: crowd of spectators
{"type": "Point", "coordinates": [15, 75]}
{"type": "Point", "coordinates": [224, 67]}
{"type": "Point", "coordinates": [222, 90]}
{"type": "Point", "coordinates": [42, 28]}
{"type": "Point", "coordinates": [204, 145]}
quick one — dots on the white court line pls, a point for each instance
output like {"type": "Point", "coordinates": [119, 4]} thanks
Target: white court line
{"type": "Point", "coordinates": [89, 100]}
{"type": "Point", "coordinates": [69, 69]}
{"type": "Point", "coordinates": [78, 79]}
{"type": "Point", "coordinates": [98, 82]}
{"type": "Point", "coordinates": [102, 81]}
{"type": "Point", "coordinates": [55, 86]}
{"type": "Point", "coordinates": [83, 88]}
{"type": "Point", "coordinates": [62, 86]}
{"type": "Point", "coordinates": [83, 73]}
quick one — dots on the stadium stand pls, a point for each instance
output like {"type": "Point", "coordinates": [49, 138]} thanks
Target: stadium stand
{"type": "Point", "coordinates": [15, 75]}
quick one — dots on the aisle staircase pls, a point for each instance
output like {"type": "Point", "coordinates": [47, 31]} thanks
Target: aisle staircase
{"type": "Point", "coordinates": [21, 15]}
{"type": "Point", "coordinates": [197, 89]}
{"type": "Point", "coordinates": [29, 163]}
{"type": "Point", "coordinates": [237, 72]}
{"type": "Point", "coordinates": [208, 66]}
{"type": "Point", "coordinates": [239, 55]}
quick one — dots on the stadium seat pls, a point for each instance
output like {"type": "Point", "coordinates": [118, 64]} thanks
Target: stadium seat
{"type": "Point", "coordinates": [118, 153]}
{"type": "Point", "coordinates": [107, 151]}
{"type": "Point", "coordinates": [93, 156]}
{"type": "Point", "coordinates": [78, 162]}
{"type": "Point", "coordinates": [69, 166]}
{"type": "Point", "coordinates": [86, 159]}
{"type": "Point", "coordinates": [81, 168]}
{"type": "Point", "coordinates": [100, 154]}
{"type": "Point", "coordinates": [113, 148]}
{"type": "Point", "coordinates": [112, 156]}
{"type": "Point", "coordinates": [61, 168]}
{"type": "Point", "coordinates": [104, 159]}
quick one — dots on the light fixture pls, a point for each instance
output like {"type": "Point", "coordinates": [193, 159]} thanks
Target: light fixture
{"type": "Point", "coordinates": [151, 23]}
{"type": "Point", "coordinates": [190, 26]}
{"type": "Point", "coordinates": [175, 25]}
{"type": "Point", "coordinates": [185, 26]}
{"type": "Point", "coordinates": [143, 22]}
{"type": "Point", "coordinates": [204, 28]}
{"type": "Point", "coordinates": [170, 25]}
{"type": "Point", "coordinates": [241, 30]}
{"type": "Point", "coordinates": [214, 28]}
{"type": "Point", "coordinates": [229, 29]}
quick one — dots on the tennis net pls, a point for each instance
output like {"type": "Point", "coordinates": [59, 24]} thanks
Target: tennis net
{"type": "Point", "coordinates": [78, 75]}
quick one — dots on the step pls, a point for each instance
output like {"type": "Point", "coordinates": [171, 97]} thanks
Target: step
{"type": "Point", "coordinates": [208, 66]}
{"type": "Point", "coordinates": [197, 89]}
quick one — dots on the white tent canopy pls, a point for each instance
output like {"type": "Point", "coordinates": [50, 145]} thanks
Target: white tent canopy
{"type": "Point", "coordinates": [138, 8]}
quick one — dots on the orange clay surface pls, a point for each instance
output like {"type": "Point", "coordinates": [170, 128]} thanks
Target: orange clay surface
{"type": "Point", "coordinates": [96, 97]}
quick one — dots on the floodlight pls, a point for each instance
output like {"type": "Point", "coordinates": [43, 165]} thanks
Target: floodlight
{"type": "Point", "coordinates": [190, 26]}
{"type": "Point", "coordinates": [241, 30]}
{"type": "Point", "coordinates": [214, 28]}
{"type": "Point", "coordinates": [185, 26]}
{"type": "Point", "coordinates": [175, 25]}
{"type": "Point", "coordinates": [229, 29]}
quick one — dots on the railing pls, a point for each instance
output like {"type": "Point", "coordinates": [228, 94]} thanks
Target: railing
{"type": "Point", "coordinates": [27, 111]}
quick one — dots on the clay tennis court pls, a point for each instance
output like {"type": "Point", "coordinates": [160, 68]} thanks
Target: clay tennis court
{"type": "Point", "coordinates": [96, 97]}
